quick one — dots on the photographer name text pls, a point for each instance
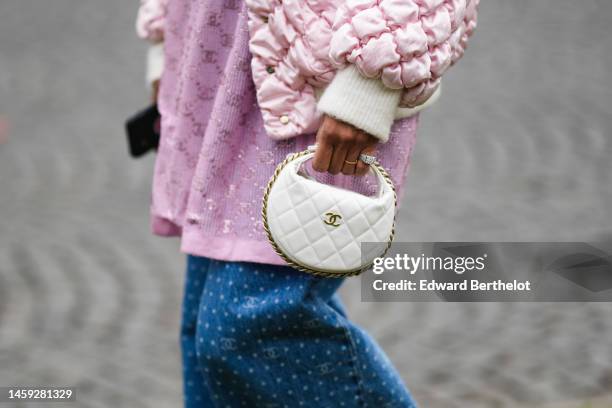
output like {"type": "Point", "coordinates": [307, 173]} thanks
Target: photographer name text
{"type": "Point", "coordinates": [464, 285]}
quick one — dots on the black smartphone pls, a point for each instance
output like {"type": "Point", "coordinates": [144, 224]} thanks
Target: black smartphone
{"type": "Point", "coordinates": [143, 130]}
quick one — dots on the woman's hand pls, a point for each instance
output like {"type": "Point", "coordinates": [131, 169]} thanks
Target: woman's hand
{"type": "Point", "coordinates": [339, 146]}
{"type": "Point", "coordinates": [155, 91]}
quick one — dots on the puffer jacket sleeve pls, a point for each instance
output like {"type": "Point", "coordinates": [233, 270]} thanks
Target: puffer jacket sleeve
{"type": "Point", "coordinates": [151, 20]}
{"type": "Point", "coordinates": [150, 26]}
{"type": "Point", "coordinates": [406, 44]}
{"type": "Point", "coordinates": [409, 44]}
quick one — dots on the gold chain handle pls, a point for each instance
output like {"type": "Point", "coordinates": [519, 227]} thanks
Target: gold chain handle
{"type": "Point", "coordinates": [292, 263]}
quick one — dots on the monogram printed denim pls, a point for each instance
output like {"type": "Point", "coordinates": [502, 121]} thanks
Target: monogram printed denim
{"type": "Point", "coordinates": [267, 336]}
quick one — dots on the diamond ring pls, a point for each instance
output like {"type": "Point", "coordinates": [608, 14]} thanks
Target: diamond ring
{"type": "Point", "coordinates": [367, 159]}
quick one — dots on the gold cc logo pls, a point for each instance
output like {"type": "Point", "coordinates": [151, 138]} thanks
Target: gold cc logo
{"type": "Point", "coordinates": [332, 219]}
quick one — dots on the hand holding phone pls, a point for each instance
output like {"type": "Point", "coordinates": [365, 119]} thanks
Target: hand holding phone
{"type": "Point", "coordinates": [143, 131]}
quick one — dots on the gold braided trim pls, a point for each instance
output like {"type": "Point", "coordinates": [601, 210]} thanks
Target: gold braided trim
{"type": "Point", "coordinates": [286, 258]}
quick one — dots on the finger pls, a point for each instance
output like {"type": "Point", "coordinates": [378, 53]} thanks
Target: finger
{"type": "Point", "coordinates": [362, 168]}
{"type": "Point", "coordinates": [352, 159]}
{"type": "Point", "coordinates": [338, 158]}
{"type": "Point", "coordinates": [323, 154]}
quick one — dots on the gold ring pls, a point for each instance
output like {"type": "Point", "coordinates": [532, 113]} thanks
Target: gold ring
{"type": "Point", "coordinates": [352, 163]}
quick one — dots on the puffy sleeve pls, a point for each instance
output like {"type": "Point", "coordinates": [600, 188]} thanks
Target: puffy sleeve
{"type": "Point", "coordinates": [151, 20]}
{"type": "Point", "coordinates": [393, 52]}
{"type": "Point", "coordinates": [409, 44]}
{"type": "Point", "coordinates": [150, 25]}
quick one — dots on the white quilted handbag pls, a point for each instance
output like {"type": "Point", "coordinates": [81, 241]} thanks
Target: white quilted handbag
{"type": "Point", "coordinates": [318, 228]}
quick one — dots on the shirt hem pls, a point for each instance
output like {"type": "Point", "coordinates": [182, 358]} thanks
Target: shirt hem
{"type": "Point", "coordinates": [230, 249]}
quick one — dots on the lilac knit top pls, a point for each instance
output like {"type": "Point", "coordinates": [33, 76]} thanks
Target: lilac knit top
{"type": "Point", "coordinates": [215, 158]}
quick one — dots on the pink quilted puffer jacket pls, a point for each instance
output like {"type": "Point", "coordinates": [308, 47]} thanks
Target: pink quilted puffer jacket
{"type": "Point", "coordinates": [298, 45]}
{"type": "Point", "coordinates": [366, 62]}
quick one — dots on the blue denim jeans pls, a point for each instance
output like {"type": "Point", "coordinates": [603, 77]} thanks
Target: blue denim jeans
{"type": "Point", "coordinates": [269, 336]}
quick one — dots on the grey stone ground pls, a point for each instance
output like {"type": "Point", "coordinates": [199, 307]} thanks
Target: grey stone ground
{"type": "Point", "coordinates": [518, 149]}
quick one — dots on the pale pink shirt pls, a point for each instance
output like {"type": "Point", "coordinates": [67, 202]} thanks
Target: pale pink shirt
{"type": "Point", "coordinates": [215, 159]}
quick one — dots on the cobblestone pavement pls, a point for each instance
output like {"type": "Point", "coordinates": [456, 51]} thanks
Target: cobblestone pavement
{"type": "Point", "coordinates": [518, 149]}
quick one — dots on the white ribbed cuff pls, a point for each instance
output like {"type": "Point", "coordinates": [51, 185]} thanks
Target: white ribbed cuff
{"type": "Point", "coordinates": [155, 62]}
{"type": "Point", "coordinates": [363, 102]}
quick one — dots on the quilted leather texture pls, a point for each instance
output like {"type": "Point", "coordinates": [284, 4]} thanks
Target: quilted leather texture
{"type": "Point", "coordinates": [299, 220]}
